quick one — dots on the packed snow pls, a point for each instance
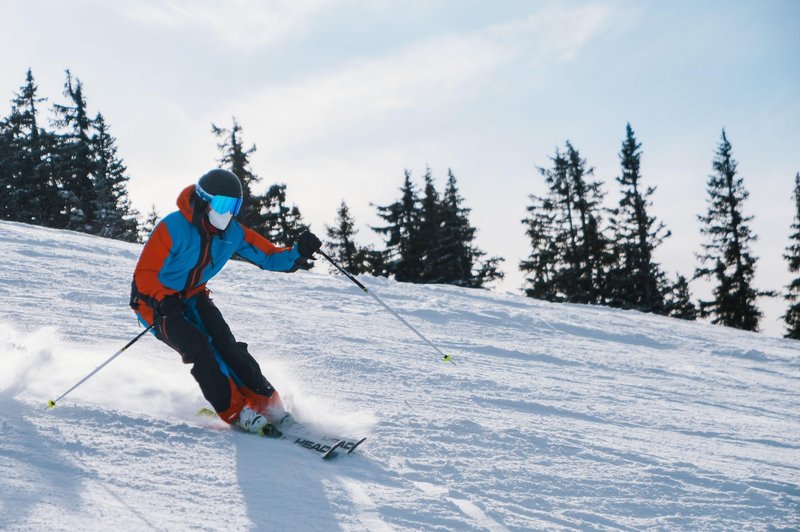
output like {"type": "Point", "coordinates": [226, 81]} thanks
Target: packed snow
{"type": "Point", "coordinates": [552, 417]}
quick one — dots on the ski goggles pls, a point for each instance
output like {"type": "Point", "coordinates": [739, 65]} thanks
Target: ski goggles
{"type": "Point", "coordinates": [221, 204]}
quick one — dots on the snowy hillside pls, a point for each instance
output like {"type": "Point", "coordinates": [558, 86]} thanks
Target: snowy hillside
{"type": "Point", "coordinates": [555, 416]}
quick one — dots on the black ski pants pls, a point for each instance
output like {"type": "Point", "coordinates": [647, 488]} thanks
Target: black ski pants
{"type": "Point", "coordinates": [220, 365]}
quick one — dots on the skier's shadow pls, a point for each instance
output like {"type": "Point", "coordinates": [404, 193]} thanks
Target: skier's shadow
{"type": "Point", "coordinates": [283, 485]}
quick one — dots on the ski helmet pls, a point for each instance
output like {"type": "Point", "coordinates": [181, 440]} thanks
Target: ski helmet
{"type": "Point", "coordinates": [220, 182]}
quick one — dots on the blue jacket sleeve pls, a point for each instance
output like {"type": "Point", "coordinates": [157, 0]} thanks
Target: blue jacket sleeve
{"type": "Point", "coordinates": [264, 254]}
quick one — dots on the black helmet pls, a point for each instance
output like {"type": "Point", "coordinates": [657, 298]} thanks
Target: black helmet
{"type": "Point", "coordinates": [220, 182]}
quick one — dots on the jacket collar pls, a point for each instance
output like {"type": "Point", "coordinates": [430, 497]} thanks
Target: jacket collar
{"type": "Point", "coordinates": [193, 209]}
{"type": "Point", "coordinates": [187, 204]}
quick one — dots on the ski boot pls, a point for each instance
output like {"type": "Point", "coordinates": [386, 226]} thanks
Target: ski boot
{"type": "Point", "coordinates": [251, 421]}
{"type": "Point", "coordinates": [287, 420]}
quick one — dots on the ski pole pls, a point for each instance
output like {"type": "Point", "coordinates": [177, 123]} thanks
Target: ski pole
{"type": "Point", "coordinates": [446, 358]}
{"type": "Point", "coordinates": [52, 404]}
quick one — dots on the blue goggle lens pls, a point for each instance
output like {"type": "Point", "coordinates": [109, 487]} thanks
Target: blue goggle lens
{"type": "Point", "coordinates": [221, 204]}
{"type": "Point", "coordinates": [225, 204]}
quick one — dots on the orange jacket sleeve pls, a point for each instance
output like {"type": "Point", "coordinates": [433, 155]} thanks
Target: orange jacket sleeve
{"type": "Point", "coordinates": [261, 243]}
{"type": "Point", "coordinates": [154, 255]}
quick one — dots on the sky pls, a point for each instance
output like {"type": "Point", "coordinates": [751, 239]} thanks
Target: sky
{"type": "Point", "coordinates": [341, 96]}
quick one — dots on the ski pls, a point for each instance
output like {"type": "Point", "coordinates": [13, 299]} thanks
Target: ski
{"type": "Point", "coordinates": [326, 450]}
{"type": "Point", "coordinates": [291, 430]}
{"type": "Point", "coordinates": [289, 423]}
{"type": "Point", "coordinates": [350, 446]}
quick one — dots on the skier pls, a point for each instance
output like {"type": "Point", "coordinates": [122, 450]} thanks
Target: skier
{"type": "Point", "coordinates": [185, 250]}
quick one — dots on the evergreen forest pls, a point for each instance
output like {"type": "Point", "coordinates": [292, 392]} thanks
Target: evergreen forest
{"type": "Point", "coordinates": [60, 167]}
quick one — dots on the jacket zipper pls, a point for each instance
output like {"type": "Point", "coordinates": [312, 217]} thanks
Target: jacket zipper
{"type": "Point", "coordinates": [201, 263]}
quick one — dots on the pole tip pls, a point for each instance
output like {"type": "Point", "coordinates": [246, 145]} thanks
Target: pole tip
{"type": "Point", "coordinates": [51, 404]}
{"type": "Point", "coordinates": [448, 358]}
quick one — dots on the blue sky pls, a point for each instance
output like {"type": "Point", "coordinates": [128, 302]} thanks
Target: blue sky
{"type": "Point", "coordinates": [341, 96]}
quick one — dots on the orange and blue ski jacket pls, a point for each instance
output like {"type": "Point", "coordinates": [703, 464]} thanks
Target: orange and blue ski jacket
{"type": "Point", "coordinates": [184, 251]}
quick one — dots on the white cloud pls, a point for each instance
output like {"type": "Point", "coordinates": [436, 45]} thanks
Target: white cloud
{"type": "Point", "coordinates": [298, 125]}
{"type": "Point", "coordinates": [425, 75]}
{"type": "Point", "coordinates": [239, 24]}
{"type": "Point", "coordinates": [553, 34]}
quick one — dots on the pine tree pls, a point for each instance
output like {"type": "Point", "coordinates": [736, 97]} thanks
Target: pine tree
{"type": "Point", "coordinates": [344, 249]}
{"type": "Point", "coordinates": [678, 301]}
{"type": "Point", "coordinates": [569, 249]}
{"type": "Point", "coordinates": [726, 256]}
{"type": "Point", "coordinates": [74, 163]}
{"type": "Point", "coordinates": [282, 224]}
{"type": "Point", "coordinates": [236, 158]}
{"type": "Point", "coordinates": [459, 260]}
{"type": "Point", "coordinates": [403, 256]}
{"type": "Point", "coordinates": [551, 265]}
{"type": "Point", "coordinates": [792, 256]}
{"type": "Point", "coordinates": [635, 280]}
{"type": "Point", "coordinates": [567, 239]}
{"type": "Point", "coordinates": [488, 272]}
{"type": "Point", "coordinates": [149, 224]}
{"type": "Point", "coordinates": [114, 216]}
{"type": "Point", "coordinates": [430, 232]}
{"type": "Point", "coordinates": [52, 202]}
{"type": "Point", "coordinates": [430, 239]}
{"type": "Point", "coordinates": [541, 266]}
{"type": "Point", "coordinates": [456, 254]}
{"type": "Point", "coordinates": [29, 195]}
{"type": "Point", "coordinates": [7, 208]}
{"type": "Point", "coordinates": [592, 256]}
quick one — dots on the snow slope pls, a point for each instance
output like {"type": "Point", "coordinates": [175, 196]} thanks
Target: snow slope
{"type": "Point", "coordinates": [555, 416]}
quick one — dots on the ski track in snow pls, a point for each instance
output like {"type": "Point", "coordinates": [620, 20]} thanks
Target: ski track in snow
{"type": "Point", "coordinates": [556, 417]}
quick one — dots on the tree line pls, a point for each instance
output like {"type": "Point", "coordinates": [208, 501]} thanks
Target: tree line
{"type": "Point", "coordinates": [583, 252]}
{"type": "Point", "coordinates": [66, 173]}
{"type": "Point", "coordinates": [428, 236]}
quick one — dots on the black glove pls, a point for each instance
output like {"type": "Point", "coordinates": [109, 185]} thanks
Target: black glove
{"type": "Point", "coordinates": [308, 244]}
{"type": "Point", "coordinates": [171, 306]}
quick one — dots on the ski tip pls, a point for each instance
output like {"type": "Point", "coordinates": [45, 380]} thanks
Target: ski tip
{"type": "Point", "coordinates": [359, 442]}
{"type": "Point", "coordinates": [330, 453]}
